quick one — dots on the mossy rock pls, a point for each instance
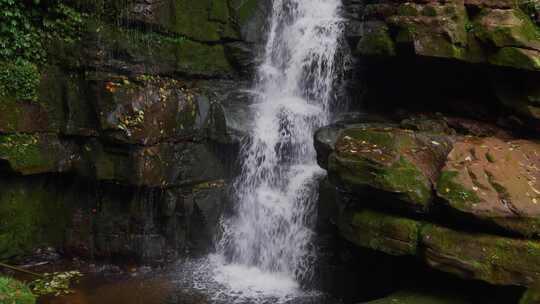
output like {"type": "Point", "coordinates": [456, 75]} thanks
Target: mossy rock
{"type": "Point", "coordinates": [495, 181]}
{"type": "Point", "coordinates": [420, 297]}
{"type": "Point", "coordinates": [393, 161]}
{"type": "Point", "coordinates": [32, 214]}
{"type": "Point", "coordinates": [244, 10]}
{"type": "Point", "coordinates": [376, 40]}
{"type": "Point", "coordinates": [531, 296]}
{"type": "Point", "coordinates": [518, 58]}
{"type": "Point", "coordinates": [496, 260]}
{"type": "Point", "coordinates": [33, 154]}
{"type": "Point", "coordinates": [432, 29]}
{"type": "Point", "coordinates": [507, 28]}
{"type": "Point", "coordinates": [138, 52]}
{"type": "Point", "coordinates": [15, 292]}
{"type": "Point", "coordinates": [382, 232]}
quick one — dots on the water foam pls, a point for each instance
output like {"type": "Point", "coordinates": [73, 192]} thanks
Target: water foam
{"type": "Point", "coordinates": [266, 247]}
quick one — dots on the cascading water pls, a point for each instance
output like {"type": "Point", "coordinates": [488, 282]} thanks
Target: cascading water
{"type": "Point", "coordinates": [276, 190]}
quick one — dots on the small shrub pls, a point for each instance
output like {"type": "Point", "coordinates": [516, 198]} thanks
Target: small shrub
{"type": "Point", "coordinates": [19, 80]}
{"type": "Point", "coordinates": [15, 292]}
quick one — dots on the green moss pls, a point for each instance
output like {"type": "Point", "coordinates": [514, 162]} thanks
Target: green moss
{"type": "Point", "coordinates": [377, 158]}
{"type": "Point", "coordinates": [191, 19]}
{"type": "Point", "coordinates": [219, 11]}
{"type": "Point", "coordinates": [23, 152]}
{"type": "Point", "coordinates": [15, 292]}
{"type": "Point", "coordinates": [377, 41]}
{"type": "Point", "coordinates": [408, 9]}
{"type": "Point", "coordinates": [429, 11]}
{"type": "Point", "coordinates": [404, 177]}
{"type": "Point", "coordinates": [390, 234]}
{"type": "Point", "coordinates": [177, 53]}
{"type": "Point", "coordinates": [452, 191]}
{"type": "Point", "coordinates": [200, 58]}
{"type": "Point", "coordinates": [494, 259]}
{"type": "Point", "coordinates": [245, 10]}
{"type": "Point", "coordinates": [522, 33]}
{"type": "Point", "coordinates": [32, 214]}
{"type": "Point", "coordinates": [516, 58]}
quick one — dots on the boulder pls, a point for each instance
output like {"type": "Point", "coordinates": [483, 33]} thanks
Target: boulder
{"type": "Point", "coordinates": [146, 110]}
{"type": "Point", "coordinates": [507, 28]}
{"type": "Point", "coordinates": [494, 180]}
{"type": "Point", "coordinates": [477, 31]}
{"type": "Point", "coordinates": [496, 260]}
{"type": "Point", "coordinates": [377, 231]}
{"type": "Point", "coordinates": [490, 258]}
{"type": "Point", "coordinates": [390, 160]}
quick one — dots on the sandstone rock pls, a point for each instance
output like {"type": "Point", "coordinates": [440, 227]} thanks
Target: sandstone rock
{"type": "Point", "coordinates": [432, 29]}
{"type": "Point", "coordinates": [145, 110]}
{"type": "Point", "coordinates": [497, 260]}
{"type": "Point", "coordinates": [377, 231]}
{"type": "Point", "coordinates": [495, 180]}
{"type": "Point", "coordinates": [390, 160]}
{"type": "Point", "coordinates": [507, 28]}
{"type": "Point", "coordinates": [490, 258]}
{"type": "Point", "coordinates": [478, 31]}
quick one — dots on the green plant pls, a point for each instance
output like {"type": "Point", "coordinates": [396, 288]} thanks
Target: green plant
{"type": "Point", "coordinates": [469, 27]}
{"type": "Point", "coordinates": [57, 283]}
{"type": "Point", "coordinates": [19, 79]}
{"type": "Point", "coordinates": [26, 28]}
{"type": "Point", "coordinates": [15, 292]}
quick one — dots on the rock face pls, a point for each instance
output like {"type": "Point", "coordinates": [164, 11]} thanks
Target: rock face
{"type": "Point", "coordinates": [122, 152]}
{"type": "Point", "coordinates": [495, 180]}
{"type": "Point", "coordinates": [504, 35]}
{"type": "Point", "coordinates": [388, 159]}
{"type": "Point", "coordinates": [450, 173]}
{"type": "Point", "coordinates": [458, 182]}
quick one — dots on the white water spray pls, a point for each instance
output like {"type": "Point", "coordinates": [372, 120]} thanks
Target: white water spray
{"type": "Point", "coordinates": [276, 190]}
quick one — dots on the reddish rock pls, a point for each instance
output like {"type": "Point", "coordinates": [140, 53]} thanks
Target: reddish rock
{"type": "Point", "coordinates": [495, 180]}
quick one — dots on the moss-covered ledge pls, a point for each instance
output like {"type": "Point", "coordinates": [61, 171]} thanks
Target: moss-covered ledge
{"type": "Point", "coordinates": [490, 258]}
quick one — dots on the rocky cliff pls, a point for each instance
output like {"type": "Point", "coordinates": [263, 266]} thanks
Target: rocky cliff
{"type": "Point", "coordinates": [443, 163]}
{"type": "Point", "coordinates": [125, 142]}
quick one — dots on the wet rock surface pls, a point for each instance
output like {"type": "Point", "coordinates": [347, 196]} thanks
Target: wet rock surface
{"type": "Point", "coordinates": [133, 131]}
{"type": "Point", "coordinates": [479, 191]}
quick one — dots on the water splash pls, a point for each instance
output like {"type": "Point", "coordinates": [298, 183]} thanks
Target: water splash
{"type": "Point", "coordinates": [276, 190]}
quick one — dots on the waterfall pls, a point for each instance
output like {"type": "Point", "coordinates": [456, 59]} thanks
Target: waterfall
{"type": "Point", "coordinates": [276, 190]}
